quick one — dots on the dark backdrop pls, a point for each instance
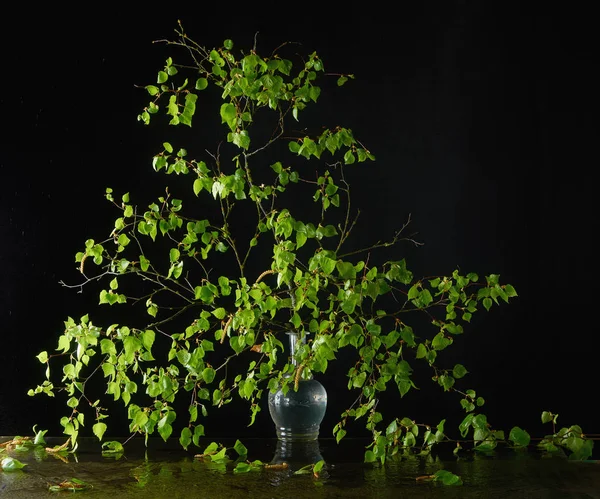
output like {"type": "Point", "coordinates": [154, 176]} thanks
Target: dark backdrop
{"type": "Point", "coordinates": [481, 119]}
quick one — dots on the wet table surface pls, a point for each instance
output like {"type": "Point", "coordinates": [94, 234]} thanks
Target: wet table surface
{"type": "Point", "coordinates": [161, 471]}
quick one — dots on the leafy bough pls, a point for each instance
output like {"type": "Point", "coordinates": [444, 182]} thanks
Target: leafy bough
{"type": "Point", "coordinates": [244, 252]}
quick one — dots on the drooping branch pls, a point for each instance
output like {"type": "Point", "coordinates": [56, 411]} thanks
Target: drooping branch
{"type": "Point", "coordinates": [395, 240]}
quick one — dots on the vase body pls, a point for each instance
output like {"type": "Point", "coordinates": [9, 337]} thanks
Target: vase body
{"type": "Point", "coordinates": [298, 414]}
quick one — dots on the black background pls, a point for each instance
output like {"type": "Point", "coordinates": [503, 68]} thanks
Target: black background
{"type": "Point", "coordinates": [482, 122]}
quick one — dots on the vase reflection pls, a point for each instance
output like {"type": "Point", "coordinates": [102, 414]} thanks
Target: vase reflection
{"type": "Point", "coordinates": [297, 454]}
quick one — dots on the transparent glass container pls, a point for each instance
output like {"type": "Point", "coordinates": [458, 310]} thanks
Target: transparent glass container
{"type": "Point", "coordinates": [298, 414]}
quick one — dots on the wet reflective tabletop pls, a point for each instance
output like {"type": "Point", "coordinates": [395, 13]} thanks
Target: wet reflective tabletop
{"type": "Point", "coordinates": [166, 471]}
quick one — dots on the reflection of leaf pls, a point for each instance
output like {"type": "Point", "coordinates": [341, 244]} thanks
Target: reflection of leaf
{"type": "Point", "coordinates": [219, 466]}
{"type": "Point", "coordinates": [112, 449]}
{"type": "Point", "coordinates": [142, 474]}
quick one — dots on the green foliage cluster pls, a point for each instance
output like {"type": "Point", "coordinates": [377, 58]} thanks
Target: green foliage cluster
{"type": "Point", "coordinates": [19, 445]}
{"type": "Point", "coordinates": [406, 437]}
{"type": "Point", "coordinates": [278, 233]}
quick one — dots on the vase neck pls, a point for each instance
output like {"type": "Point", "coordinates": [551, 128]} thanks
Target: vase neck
{"type": "Point", "coordinates": [294, 338]}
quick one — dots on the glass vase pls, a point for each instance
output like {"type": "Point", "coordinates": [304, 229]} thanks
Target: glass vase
{"type": "Point", "coordinates": [298, 414]}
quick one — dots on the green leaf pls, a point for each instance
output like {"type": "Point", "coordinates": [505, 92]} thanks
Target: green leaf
{"type": "Point", "coordinates": [519, 437]}
{"type": "Point", "coordinates": [72, 484]}
{"type": "Point", "coordinates": [446, 382]}
{"type": "Point", "coordinates": [219, 456]}
{"type": "Point", "coordinates": [185, 438]}
{"type": "Point", "coordinates": [318, 466]}
{"type": "Point", "coordinates": [244, 467]}
{"type": "Point", "coordinates": [459, 371]}
{"type": "Point", "coordinates": [301, 239]}
{"type": "Point", "coordinates": [204, 293]}
{"type": "Point", "coordinates": [165, 430]}
{"type": "Point", "coordinates": [11, 464]}
{"type": "Point", "coordinates": [546, 417]}
{"type": "Point", "coordinates": [229, 115]}
{"type": "Point", "coordinates": [339, 435]}
{"type": "Point", "coordinates": [43, 357]}
{"type": "Point", "coordinates": [39, 436]}
{"type": "Point", "coordinates": [440, 342]}
{"type": "Point", "coordinates": [64, 343]}
{"type": "Point", "coordinates": [147, 338]}
{"type": "Point", "coordinates": [349, 157]}
{"type": "Point", "coordinates": [219, 313]}
{"type": "Point", "coordinates": [370, 457]}
{"type": "Point", "coordinates": [404, 385]}
{"type": "Point", "coordinates": [346, 270]}
{"type": "Point", "coordinates": [198, 185]}
{"type": "Point", "coordinates": [241, 139]}
{"type": "Point", "coordinates": [162, 77]}
{"type": "Point", "coordinates": [144, 263]}
{"type": "Point", "coordinates": [209, 374]}
{"type": "Point", "coordinates": [183, 356]}
{"type": "Point", "coordinates": [359, 380]}
{"type": "Point", "coordinates": [201, 83]}
{"type": "Point", "coordinates": [174, 255]}
{"type": "Point", "coordinates": [447, 478]}
{"type": "Point", "coordinates": [350, 303]}
{"type": "Point", "coordinates": [140, 419]}
{"type": "Point", "coordinates": [327, 264]}
{"type": "Point", "coordinates": [296, 320]}
{"type": "Point", "coordinates": [466, 424]}
{"type": "Point", "coordinates": [211, 448]}
{"type": "Point", "coordinates": [131, 345]}
{"type": "Point", "coordinates": [240, 448]}
{"type": "Point", "coordinates": [99, 429]}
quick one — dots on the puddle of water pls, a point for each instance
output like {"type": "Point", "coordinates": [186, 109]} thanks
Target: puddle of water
{"type": "Point", "coordinates": [162, 471]}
